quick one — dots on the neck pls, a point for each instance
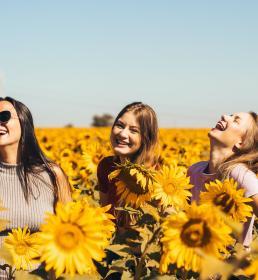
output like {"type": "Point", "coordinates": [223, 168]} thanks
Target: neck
{"type": "Point", "coordinates": [9, 154]}
{"type": "Point", "coordinates": [122, 159]}
{"type": "Point", "coordinates": [218, 155]}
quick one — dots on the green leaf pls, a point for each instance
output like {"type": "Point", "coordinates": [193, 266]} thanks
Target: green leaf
{"type": "Point", "coordinates": [21, 275]}
{"type": "Point", "coordinates": [118, 249]}
{"type": "Point", "coordinates": [110, 275]}
{"type": "Point", "coordinates": [152, 263]}
{"type": "Point", "coordinates": [81, 277]}
{"type": "Point", "coordinates": [154, 248]}
{"type": "Point", "coordinates": [129, 210]}
{"type": "Point", "coordinates": [126, 275]}
{"type": "Point", "coordinates": [118, 265]}
{"type": "Point", "coordinates": [145, 235]}
{"type": "Point", "coordinates": [149, 209]}
{"type": "Point", "coordinates": [166, 277]}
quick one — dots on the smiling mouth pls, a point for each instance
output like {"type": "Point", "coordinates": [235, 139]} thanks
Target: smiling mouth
{"type": "Point", "coordinates": [3, 132]}
{"type": "Point", "coordinates": [220, 126]}
{"type": "Point", "coordinates": [122, 143]}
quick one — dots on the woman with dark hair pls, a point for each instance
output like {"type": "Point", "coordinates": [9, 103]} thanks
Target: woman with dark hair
{"type": "Point", "coordinates": [134, 137]}
{"type": "Point", "coordinates": [30, 184]}
{"type": "Point", "coordinates": [233, 154]}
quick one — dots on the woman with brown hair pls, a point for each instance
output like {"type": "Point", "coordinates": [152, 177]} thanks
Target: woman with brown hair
{"type": "Point", "coordinates": [233, 154]}
{"type": "Point", "coordinates": [134, 137]}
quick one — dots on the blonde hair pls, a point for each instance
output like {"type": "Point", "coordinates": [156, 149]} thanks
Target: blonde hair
{"type": "Point", "coordinates": [247, 154]}
{"type": "Point", "coordinates": [147, 119]}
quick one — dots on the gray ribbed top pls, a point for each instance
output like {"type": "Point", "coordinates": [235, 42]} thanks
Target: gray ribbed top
{"type": "Point", "coordinates": [20, 213]}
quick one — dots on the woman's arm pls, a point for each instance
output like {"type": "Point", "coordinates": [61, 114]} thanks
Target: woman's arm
{"type": "Point", "coordinates": [64, 192]}
{"type": "Point", "coordinates": [102, 174]}
{"type": "Point", "coordinates": [248, 181]}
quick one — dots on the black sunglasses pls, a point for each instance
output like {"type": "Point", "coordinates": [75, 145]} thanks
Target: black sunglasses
{"type": "Point", "coordinates": [5, 116]}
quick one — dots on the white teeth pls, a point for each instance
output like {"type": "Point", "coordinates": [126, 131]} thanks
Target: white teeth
{"type": "Point", "coordinates": [121, 142]}
{"type": "Point", "coordinates": [220, 126]}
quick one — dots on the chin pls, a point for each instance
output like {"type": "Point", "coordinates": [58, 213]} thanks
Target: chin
{"type": "Point", "coordinates": [210, 133]}
{"type": "Point", "coordinates": [214, 138]}
{"type": "Point", "coordinates": [120, 152]}
{"type": "Point", "coordinates": [214, 133]}
{"type": "Point", "coordinates": [3, 143]}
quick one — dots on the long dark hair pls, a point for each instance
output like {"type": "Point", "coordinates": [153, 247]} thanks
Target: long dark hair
{"type": "Point", "coordinates": [146, 116]}
{"type": "Point", "coordinates": [32, 159]}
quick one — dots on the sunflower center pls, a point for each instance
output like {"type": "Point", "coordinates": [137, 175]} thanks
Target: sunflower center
{"type": "Point", "coordinates": [132, 185]}
{"type": "Point", "coordinates": [69, 236]}
{"type": "Point", "coordinates": [170, 187]}
{"type": "Point", "coordinates": [195, 233]}
{"type": "Point", "coordinates": [74, 165]}
{"type": "Point", "coordinates": [21, 248]}
{"type": "Point", "coordinates": [224, 201]}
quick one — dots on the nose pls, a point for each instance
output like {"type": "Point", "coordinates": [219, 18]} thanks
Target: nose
{"type": "Point", "coordinates": [123, 133]}
{"type": "Point", "coordinates": [225, 117]}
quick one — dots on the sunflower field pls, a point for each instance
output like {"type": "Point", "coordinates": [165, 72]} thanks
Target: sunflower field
{"type": "Point", "coordinates": [165, 237]}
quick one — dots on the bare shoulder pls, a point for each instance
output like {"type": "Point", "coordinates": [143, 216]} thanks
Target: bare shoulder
{"type": "Point", "coordinates": [64, 188]}
{"type": "Point", "coordinates": [58, 171]}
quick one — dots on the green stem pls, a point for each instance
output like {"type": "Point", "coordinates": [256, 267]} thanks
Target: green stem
{"type": "Point", "coordinates": [138, 269]}
{"type": "Point", "coordinates": [185, 274]}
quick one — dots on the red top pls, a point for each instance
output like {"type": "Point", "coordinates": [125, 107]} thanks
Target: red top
{"type": "Point", "coordinates": [105, 167]}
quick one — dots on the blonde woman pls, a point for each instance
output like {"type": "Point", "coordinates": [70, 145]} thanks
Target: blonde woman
{"type": "Point", "coordinates": [233, 154]}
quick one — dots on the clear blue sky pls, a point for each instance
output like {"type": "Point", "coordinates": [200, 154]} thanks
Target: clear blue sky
{"type": "Point", "coordinates": [190, 60]}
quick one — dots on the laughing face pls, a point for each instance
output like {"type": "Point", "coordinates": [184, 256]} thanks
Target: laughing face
{"type": "Point", "coordinates": [125, 136]}
{"type": "Point", "coordinates": [10, 131]}
{"type": "Point", "coordinates": [230, 131]}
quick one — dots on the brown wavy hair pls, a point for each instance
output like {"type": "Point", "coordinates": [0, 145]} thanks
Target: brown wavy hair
{"type": "Point", "coordinates": [247, 154]}
{"type": "Point", "coordinates": [147, 119]}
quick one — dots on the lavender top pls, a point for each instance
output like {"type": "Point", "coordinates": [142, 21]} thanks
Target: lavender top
{"type": "Point", "coordinates": [245, 178]}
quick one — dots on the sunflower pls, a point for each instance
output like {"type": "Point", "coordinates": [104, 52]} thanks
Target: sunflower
{"type": "Point", "coordinates": [3, 222]}
{"type": "Point", "coordinates": [71, 163]}
{"type": "Point", "coordinates": [185, 233]}
{"type": "Point", "coordinates": [75, 236]}
{"type": "Point", "coordinates": [23, 247]}
{"type": "Point", "coordinates": [76, 193]}
{"type": "Point", "coordinates": [92, 156]}
{"type": "Point", "coordinates": [253, 269]}
{"type": "Point", "coordinates": [172, 186]}
{"type": "Point", "coordinates": [134, 183]}
{"type": "Point", "coordinates": [226, 196]}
